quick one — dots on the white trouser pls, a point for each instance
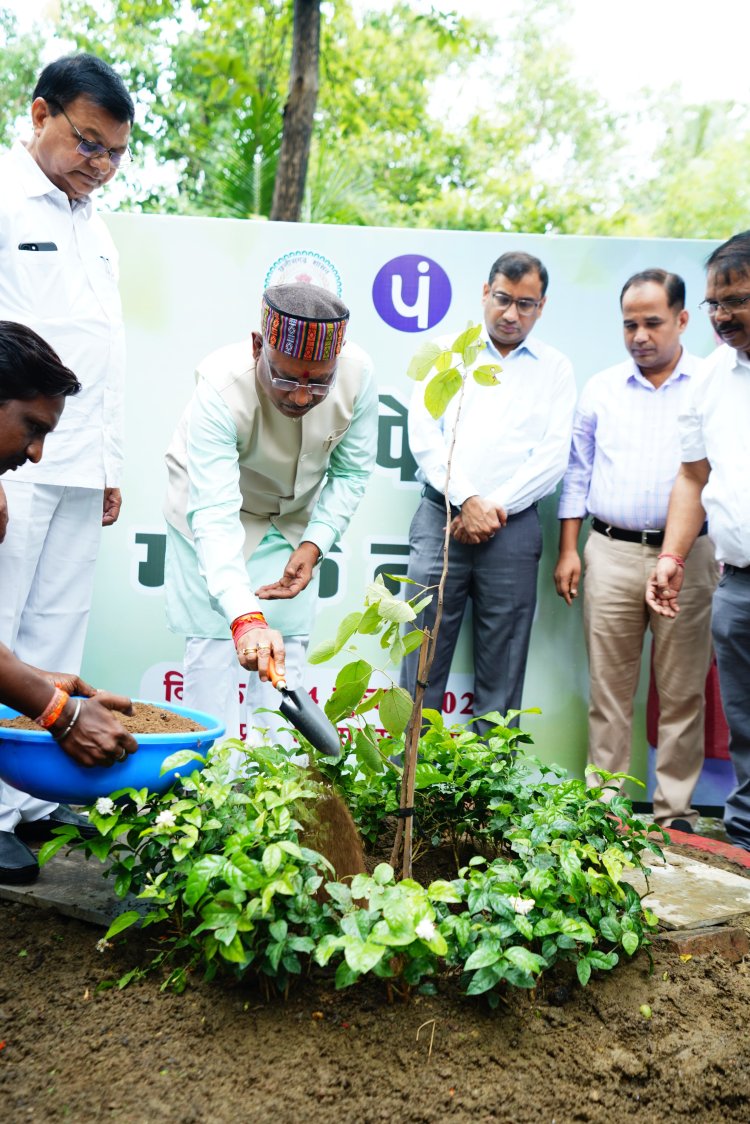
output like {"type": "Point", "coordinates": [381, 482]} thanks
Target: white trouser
{"type": "Point", "coordinates": [216, 683]}
{"type": "Point", "coordinates": [47, 566]}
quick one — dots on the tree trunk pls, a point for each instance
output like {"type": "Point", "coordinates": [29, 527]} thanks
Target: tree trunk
{"type": "Point", "coordinates": [299, 111]}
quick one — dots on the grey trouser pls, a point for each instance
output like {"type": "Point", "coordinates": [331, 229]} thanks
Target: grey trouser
{"type": "Point", "coordinates": [500, 577]}
{"type": "Point", "coordinates": [731, 631]}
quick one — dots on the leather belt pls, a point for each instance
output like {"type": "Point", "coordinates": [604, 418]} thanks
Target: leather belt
{"type": "Point", "coordinates": [645, 538]}
{"type": "Point", "coordinates": [434, 496]}
{"type": "Point", "coordinates": [730, 569]}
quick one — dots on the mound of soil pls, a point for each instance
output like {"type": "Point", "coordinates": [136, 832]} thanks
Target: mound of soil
{"type": "Point", "coordinates": [145, 719]}
{"type": "Point", "coordinates": [221, 1054]}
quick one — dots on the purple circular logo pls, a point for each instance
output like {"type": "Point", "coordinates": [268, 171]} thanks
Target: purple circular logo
{"type": "Point", "coordinates": [411, 293]}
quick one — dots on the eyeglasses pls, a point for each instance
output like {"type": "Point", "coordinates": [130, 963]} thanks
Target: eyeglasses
{"type": "Point", "coordinates": [728, 305]}
{"type": "Point", "coordinates": [94, 151]}
{"type": "Point", "coordinates": [525, 305]}
{"type": "Point", "coordinates": [317, 389]}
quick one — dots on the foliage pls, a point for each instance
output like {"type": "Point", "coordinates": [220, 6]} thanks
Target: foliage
{"type": "Point", "coordinates": [19, 66]}
{"type": "Point", "coordinates": [224, 869]}
{"type": "Point", "coordinates": [221, 865]}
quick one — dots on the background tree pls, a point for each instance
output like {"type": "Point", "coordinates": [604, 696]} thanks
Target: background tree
{"type": "Point", "coordinates": [291, 167]}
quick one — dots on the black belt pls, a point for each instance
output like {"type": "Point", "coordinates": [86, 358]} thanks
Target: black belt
{"type": "Point", "coordinates": [730, 569]}
{"type": "Point", "coordinates": [434, 496]}
{"type": "Point", "coordinates": [645, 538]}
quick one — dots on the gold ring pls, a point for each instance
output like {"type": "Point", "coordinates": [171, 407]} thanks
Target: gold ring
{"type": "Point", "coordinates": [249, 652]}
{"type": "Point", "coordinates": [123, 755]}
{"type": "Point", "coordinates": [264, 648]}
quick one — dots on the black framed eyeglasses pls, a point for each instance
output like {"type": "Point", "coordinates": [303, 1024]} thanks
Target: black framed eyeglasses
{"type": "Point", "coordinates": [503, 301]}
{"type": "Point", "coordinates": [728, 305]}
{"type": "Point", "coordinates": [278, 382]}
{"type": "Point", "coordinates": [92, 150]}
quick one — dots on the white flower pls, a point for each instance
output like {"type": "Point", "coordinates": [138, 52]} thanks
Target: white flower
{"type": "Point", "coordinates": [105, 806]}
{"type": "Point", "coordinates": [425, 930]}
{"type": "Point", "coordinates": [103, 944]}
{"type": "Point", "coordinates": [165, 819]}
{"type": "Point", "coordinates": [522, 905]}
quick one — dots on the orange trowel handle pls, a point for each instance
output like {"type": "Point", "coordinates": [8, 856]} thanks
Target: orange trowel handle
{"type": "Point", "coordinates": [278, 681]}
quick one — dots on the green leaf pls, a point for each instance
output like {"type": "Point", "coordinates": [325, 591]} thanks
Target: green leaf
{"type": "Point", "coordinates": [367, 754]}
{"type": "Point", "coordinates": [630, 942]}
{"type": "Point", "coordinates": [322, 652]}
{"type": "Point", "coordinates": [423, 360]}
{"type": "Point", "coordinates": [488, 952]}
{"type": "Point", "coordinates": [440, 390]}
{"type": "Point", "coordinates": [346, 629]}
{"type": "Point", "coordinates": [124, 921]}
{"type": "Point", "coordinates": [370, 701]}
{"type": "Point", "coordinates": [362, 956]}
{"type": "Point", "coordinates": [485, 979]}
{"type": "Point", "coordinates": [395, 710]}
{"type": "Point", "coordinates": [234, 952]}
{"type": "Point", "coordinates": [180, 758]}
{"type": "Point", "coordinates": [49, 849]}
{"type": "Point", "coordinates": [526, 960]}
{"type": "Point", "coordinates": [486, 374]}
{"type": "Point", "coordinates": [345, 976]}
{"type": "Point", "coordinates": [383, 874]}
{"type": "Point", "coordinates": [273, 857]}
{"type": "Point", "coordinates": [470, 335]}
{"type": "Point", "coordinates": [583, 971]}
{"type": "Point", "coordinates": [442, 891]}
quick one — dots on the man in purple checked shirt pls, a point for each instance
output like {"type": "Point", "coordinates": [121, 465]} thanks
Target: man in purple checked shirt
{"type": "Point", "coordinates": [624, 457]}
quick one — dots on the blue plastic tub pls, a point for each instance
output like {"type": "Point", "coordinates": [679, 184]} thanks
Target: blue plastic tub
{"type": "Point", "coordinates": [33, 761]}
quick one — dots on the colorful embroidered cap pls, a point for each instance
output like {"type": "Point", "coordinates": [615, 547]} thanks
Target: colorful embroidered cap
{"type": "Point", "coordinates": [303, 321]}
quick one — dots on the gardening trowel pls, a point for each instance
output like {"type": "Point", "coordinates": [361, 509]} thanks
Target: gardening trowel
{"type": "Point", "coordinates": [299, 710]}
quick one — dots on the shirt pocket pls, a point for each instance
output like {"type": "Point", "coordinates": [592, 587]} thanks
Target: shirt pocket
{"type": "Point", "coordinates": [333, 439]}
{"type": "Point", "coordinates": [42, 286]}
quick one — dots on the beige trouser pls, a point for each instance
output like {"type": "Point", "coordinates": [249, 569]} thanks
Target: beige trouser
{"type": "Point", "coordinates": [615, 621]}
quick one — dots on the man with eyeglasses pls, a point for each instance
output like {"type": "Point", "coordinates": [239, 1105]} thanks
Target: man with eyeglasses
{"type": "Point", "coordinates": [623, 460]}
{"type": "Point", "coordinates": [58, 275]}
{"type": "Point", "coordinates": [266, 469]}
{"type": "Point", "coordinates": [713, 483]}
{"type": "Point", "coordinates": [512, 443]}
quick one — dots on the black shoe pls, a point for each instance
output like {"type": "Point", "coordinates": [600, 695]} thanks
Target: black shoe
{"type": "Point", "coordinates": [39, 831]}
{"type": "Point", "coordinates": [18, 865]}
{"type": "Point", "coordinates": [682, 825]}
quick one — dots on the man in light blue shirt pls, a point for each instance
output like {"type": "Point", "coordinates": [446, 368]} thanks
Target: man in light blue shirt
{"type": "Point", "coordinates": [623, 460]}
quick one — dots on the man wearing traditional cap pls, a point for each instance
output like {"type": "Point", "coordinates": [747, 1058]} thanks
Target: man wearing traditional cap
{"type": "Point", "coordinates": [266, 468]}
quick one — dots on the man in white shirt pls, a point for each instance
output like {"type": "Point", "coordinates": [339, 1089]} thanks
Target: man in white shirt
{"type": "Point", "coordinates": [58, 275]}
{"type": "Point", "coordinates": [266, 468]}
{"type": "Point", "coordinates": [713, 481]}
{"type": "Point", "coordinates": [623, 460]}
{"type": "Point", "coordinates": [512, 445]}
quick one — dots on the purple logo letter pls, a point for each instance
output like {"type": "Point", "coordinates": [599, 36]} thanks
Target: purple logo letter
{"type": "Point", "coordinates": [411, 293]}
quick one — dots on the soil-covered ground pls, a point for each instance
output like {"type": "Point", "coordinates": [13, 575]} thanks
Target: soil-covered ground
{"type": "Point", "coordinates": [145, 719]}
{"type": "Point", "coordinates": [218, 1054]}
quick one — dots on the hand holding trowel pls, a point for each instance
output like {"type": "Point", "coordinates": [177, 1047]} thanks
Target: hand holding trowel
{"type": "Point", "coordinates": [302, 713]}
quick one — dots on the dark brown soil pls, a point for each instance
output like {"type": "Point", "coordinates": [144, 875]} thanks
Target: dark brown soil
{"type": "Point", "coordinates": [145, 719]}
{"type": "Point", "coordinates": [219, 1054]}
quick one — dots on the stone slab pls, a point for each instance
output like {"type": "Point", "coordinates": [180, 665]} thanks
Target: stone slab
{"type": "Point", "coordinates": [75, 886]}
{"type": "Point", "coordinates": [686, 893]}
{"type": "Point", "coordinates": [729, 941]}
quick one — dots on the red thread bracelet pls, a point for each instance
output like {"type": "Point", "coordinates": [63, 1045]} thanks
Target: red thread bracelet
{"type": "Point", "coordinates": [675, 558]}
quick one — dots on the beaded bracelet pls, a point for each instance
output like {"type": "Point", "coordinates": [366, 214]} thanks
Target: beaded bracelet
{"type": "Point", "coordinates": [53, 709]}
{"type": "Point", "coordinates": [68, 728]}
{"type": "Point", "coordinates": [675, 558]}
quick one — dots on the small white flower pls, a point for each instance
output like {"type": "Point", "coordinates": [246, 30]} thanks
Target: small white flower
{"type": "Point", "coordinates": [425, 930]}
{"type": "Point", "coordinates": [103, 945]}
{"type": "Point", "coordinates": [105, 806]}
{"type": "Point", "coordinates": [165, 819]}
{"type": "Point", "coordinates": [522, 905]}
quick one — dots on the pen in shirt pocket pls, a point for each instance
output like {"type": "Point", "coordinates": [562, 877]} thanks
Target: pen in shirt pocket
{"type": "Point", "coordinates": [37, 246]}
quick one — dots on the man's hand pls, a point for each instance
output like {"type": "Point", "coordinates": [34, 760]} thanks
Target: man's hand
{"type": "Point", "coordinates": [664, 586]}
{"type": "Point", "coordinates": [479, 520]}
{"type": "Point", "coordinates": [3, 513]}
{"type": "Point", "coordinates": [568, 575]}
{"type": "Point", "coordinates": [297, 574]}
{"type": "Point", "coordinates": [97, 738]}
{"type": "Point", "coordinates": [111, 506]}
{"type": "Point", "coordinates": [256, 646]}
